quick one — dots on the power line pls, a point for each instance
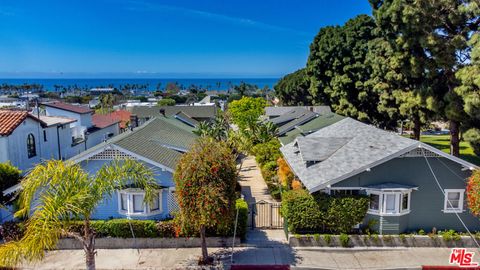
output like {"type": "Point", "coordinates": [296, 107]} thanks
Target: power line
{"type": "Point", "coordinates": [448, 201]}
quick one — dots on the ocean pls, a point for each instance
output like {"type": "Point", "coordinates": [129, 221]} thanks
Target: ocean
{"type": "Point", "coordinates": [151, 84]}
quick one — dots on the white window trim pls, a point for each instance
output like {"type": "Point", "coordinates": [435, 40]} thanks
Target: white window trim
{"type": "Point", "coordinates": [382, 203]}
{"type": "Point", "coordinates": [146, 207]}
{"type": "Point", "coordinates": [460, 202]}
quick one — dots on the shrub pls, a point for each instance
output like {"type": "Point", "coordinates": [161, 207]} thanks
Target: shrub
{"type": "Point", "coordinates": [320, 212]}
{"type": "Point", "coordinates": [301, 211]}
{"type": "Point", "coordinates": [327, 238]}
{"type": "Point", "coordinates": [167, 102]}
{"type": "Point", "coordinates": [296, 184]}
{"type": "Point", "coordinates": [9, 176]}
{"type": "Point", "coordinates": [265, 152]}
{"type": "Point", "coordinates": [421, 232]}
{"type": "Point", "coordinates": [242, 208]}
{"type": "Point", "coordinates": [285, 175]}
{"type": "Point", "coordinates": [450, 235]}
{"type": "Point", "coordinates": [166, 229]}
{"type": "Point", "coordinates": [346, 212]}
{"type": "Point", "coordinates": [344, 240]}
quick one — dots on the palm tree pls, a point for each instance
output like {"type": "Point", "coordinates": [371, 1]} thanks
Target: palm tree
{"type": "Point", "coordinates": [63, 192]}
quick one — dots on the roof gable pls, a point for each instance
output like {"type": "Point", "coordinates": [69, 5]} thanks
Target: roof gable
{"type": "Point", "coordinates": [69, 107]}
{"type": "Point", "coordinates": [10, 120]}
{"type": "Point", "coordinates": [368, 147]}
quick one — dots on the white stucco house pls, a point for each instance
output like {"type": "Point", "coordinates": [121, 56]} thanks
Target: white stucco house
{"type": "Point", "coordinates": [66, 130]}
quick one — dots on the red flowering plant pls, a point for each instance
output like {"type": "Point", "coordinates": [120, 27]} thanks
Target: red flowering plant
{"type": "Point", "coordinates": [205, 183]}
{"type": "Point", "coordinates": [473, 193]}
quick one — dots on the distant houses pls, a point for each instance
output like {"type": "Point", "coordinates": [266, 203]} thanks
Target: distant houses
{"type": "Point", "coordinates": [157, 138]}
{"type": "Point", "coordinates": [188, 114]}
{"type": "Point", "coordinates": [62, 131]}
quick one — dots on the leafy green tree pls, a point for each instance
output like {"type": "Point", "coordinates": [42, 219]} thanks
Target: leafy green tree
{"type": "Point", "coordinates": [9, 176]}
{"type": "Point", "coordinates": [217, 130]}
{"type": "Point", "coordinates": [106, 102]}
{"type": "Point", "coordinates": [428, 43]}
{"type": "Point", "coordinates": [292, 90]}
{"type": "Point", "coordinates": [339, 72]}
{"type": "Point", "coordinates": [166, 102]}
{"type": "Point", "coordinates": [62, 193]}
{"type": "Point", "coordinates": [469, 90]}
{"type": "Point", "coordinates": [205, 183]}
{"type": "Point", "coordinates": [262, 132]}
{"type": "Point", "coordinates": [246, 111]}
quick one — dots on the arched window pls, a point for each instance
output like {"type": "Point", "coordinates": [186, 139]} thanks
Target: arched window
{"type": "Point", "coordinates": [32, 151]}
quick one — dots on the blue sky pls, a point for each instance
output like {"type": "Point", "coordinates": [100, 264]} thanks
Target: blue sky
{"type": "Point", "coordinates": [146, 38]}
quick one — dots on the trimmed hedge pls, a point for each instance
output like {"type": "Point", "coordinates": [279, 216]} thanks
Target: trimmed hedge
{"type": "Point", "coordinates": [141, 228]}
{"type": "Point", "coordinates": [266, 155]}
{"type": "Point", "coordinates": [322, 213]}
{"type": "Point", "coordinates": [242, 208]}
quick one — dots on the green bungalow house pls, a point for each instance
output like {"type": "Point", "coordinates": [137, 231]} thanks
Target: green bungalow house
{"type": "Point", "coordinates": [411, 185]}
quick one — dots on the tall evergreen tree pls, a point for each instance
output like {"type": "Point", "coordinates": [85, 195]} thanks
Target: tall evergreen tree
{"type": "Point", "coordinates": [339, 72]}
{"type": "Point", "coordinates": [427, 39]}
{"type": "Point", "coordinates": [293, 89]}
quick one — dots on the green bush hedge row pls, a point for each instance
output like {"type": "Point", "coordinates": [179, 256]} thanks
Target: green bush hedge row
{"type": "Point", "coordinates": [266, 155]}
{"type": "Point", "coordinates": [123, 228]}
{"type": "Point", "coordinates": [305, 212]}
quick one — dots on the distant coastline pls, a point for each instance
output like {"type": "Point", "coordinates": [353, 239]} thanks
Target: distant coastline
{"type": "Point", "coordinates": [152, 84]}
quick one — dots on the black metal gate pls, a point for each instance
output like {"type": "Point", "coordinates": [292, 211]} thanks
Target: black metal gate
{"type": "Point", "coordinates": [265, 215]}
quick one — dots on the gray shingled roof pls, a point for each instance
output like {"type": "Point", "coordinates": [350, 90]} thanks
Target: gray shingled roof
{"type": "Point", "coordinates": [309, 127]}
{"type": "Point", "coordinates": [186, 118]}
{"type": "Point", "coordinates": [159, 140]}
{"type": "Point", "coordinates": [272, 111]}
{"type": "Point", "coordinates": [367, 147]}
{"type": "Point", "coordinates": [307, 116]}
{"type": "Point", "coordinates": [319, 149]}
{"type": "Point", "coordinates": [192, 111]}
{"type": "Point", "coordinates": [289, 116]}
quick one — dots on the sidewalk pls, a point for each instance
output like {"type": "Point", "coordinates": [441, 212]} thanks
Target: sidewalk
{"type": "Point", "coordinates": [299, 258]}
{"type": "Point", "coordinates": [254, 187]}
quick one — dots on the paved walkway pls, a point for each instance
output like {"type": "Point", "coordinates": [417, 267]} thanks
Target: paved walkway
{"type": "Point", "coordinates": [307, 258]}
{"type": "Point", "coordinates": [254, 187]}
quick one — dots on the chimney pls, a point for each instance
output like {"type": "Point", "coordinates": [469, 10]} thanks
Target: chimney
{"type": "Point", "coordinates": [133, 121]}
{"type": "Point", "coordinates": [162, 112]}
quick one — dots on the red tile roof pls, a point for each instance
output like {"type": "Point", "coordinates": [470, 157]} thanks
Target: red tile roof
{"type": "Point", "coordinates": [105, 120]}
{"type": "Point", "coordinates": [69, 107]}
{"type": "Point", "coordinates": [123, 116]}
{"type": "Point", "coordinates": [9, 121]}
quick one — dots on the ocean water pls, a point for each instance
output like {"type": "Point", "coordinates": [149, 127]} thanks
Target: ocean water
{"type": "Point", "coordinates": [152, 84]}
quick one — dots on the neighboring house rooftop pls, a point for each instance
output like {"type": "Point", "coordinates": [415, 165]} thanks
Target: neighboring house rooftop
{"type": "Point", "coordinates": [273, 111]}
{"type": "Point", "coordinates": [192, 111]}
{"type": "Point", "coordinates": [9, 121]}
{"type": "Point", "coordinates": [104, 120]}
{"type": "Point", "coordinates": [186, 119]}
{"type": "Point", "coordinates": [346, 148]}
{"type": "Point", "coordinates": [159, 141]}
{"type": "Point", "coordinates": [69, 107]}
{"type": "Point", "coordinates": [54, 120]}
{"type": "Point", "coordinates": [309, 127]}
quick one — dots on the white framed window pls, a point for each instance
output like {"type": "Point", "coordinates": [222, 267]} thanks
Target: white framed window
{"type": "Point", "coordinates": [453, 202]}
{"type": "Point", "coordinates": [132, 202]}
{"type": "Point", "coordinates": [394, 203]}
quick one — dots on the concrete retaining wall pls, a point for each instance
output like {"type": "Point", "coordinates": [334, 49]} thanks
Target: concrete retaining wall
{"type": "Point", "coordinates": [380, 241]}
{"type": "Point", "coordinates": [119, 243]}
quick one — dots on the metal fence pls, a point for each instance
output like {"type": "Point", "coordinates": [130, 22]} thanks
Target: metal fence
{"type": "Point", "coordinates": [265, 215]}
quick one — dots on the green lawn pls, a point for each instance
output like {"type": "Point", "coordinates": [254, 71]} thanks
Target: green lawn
{"type": "Point", "coordinates": [442, 142]}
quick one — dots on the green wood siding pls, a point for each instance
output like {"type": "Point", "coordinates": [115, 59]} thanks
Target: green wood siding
{"type": "Point", "coordinates": [428, 201]}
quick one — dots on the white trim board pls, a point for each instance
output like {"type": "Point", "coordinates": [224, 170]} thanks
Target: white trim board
{"type": "Point", "coordinates": [462, 162]}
